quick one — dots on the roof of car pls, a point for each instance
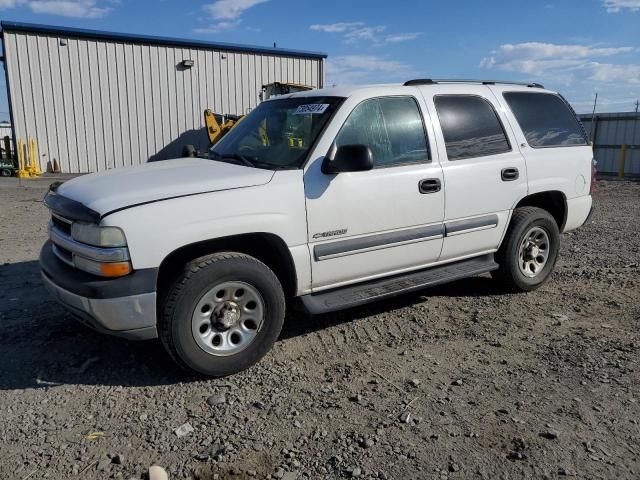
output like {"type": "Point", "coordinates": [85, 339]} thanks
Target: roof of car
{"type": "Point", "coordinates": [348, 90]}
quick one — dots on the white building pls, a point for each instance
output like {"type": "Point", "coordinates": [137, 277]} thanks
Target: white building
{"type": "Point", "coordinates": [98, 100]}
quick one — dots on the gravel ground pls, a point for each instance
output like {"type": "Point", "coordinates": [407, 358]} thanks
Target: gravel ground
{"type": "Point", "coordinates": [461, 381]}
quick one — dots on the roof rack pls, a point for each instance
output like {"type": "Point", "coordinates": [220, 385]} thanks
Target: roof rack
{"type": "Point", "coordinates": [430, 81]}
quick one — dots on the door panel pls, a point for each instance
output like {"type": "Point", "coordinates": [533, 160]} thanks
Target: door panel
{"type": "Point", "coordinates": [388, 223]}
{"type": "Point", "coordinates": [480, 179]}
{"type": "Point", "coordinates": [368, 224]}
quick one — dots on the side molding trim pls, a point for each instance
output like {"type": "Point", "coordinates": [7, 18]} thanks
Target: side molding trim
{"type": "Point", "coordinates": [375, 242]}
{"type": "Point", "coordinates": [471, 225]}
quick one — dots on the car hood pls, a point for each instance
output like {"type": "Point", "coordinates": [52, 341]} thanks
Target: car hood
{"type": "Point", "coordinates": [120, 188]}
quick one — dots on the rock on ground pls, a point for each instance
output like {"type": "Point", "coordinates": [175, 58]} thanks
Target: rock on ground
{"type": "Point", "coordinates": [562, 361]}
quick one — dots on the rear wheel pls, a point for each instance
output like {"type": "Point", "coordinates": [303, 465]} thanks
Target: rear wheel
{"type": "Point", "coordinates": [222, 314]}
{"type": "Point", "coordinates": [5, 172]}
{"type": "Point", "coordinates": [529, 250]}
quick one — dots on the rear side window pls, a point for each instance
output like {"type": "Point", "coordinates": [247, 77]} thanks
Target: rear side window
{"type": "Point", "coordinates": [471, 127]}
{"type": "Point", "coordinates": [545, 119]}
{"type": "Point", "coordinates": [391, 126]}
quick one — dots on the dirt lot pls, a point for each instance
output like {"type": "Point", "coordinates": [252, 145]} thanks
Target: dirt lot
{"type": "Point", "coordinates": [461, 381]}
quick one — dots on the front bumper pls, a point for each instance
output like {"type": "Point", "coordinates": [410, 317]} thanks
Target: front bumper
{"type": "Point", "coordinates": [124, 306]}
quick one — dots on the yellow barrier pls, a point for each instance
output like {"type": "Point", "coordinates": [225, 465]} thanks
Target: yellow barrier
{"type": "Point", "coordinates": [623, 156]}
{"type": "Point", "coordinates": [28, 165]}
{"type": "Point", "coordinates": [22, 172]}
{"type": "Point", "coordinates": [34, 164]}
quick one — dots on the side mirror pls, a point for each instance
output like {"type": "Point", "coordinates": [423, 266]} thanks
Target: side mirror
{"type": "Point", "coordinates": [348, 158]}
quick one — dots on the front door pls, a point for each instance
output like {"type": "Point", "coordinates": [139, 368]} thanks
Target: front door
{"type": "Point", "coordinates": [363, 225]}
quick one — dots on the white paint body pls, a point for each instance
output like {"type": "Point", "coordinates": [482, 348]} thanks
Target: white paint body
{"type": "Point", "coordinates": [164, 206]}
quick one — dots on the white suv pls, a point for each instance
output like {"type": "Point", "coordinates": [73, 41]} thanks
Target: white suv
{"type": "Point", "coordinates": [338, 197]}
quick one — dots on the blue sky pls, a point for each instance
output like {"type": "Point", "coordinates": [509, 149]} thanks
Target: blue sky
{"type": "Point", "coordinates": [577, 47]}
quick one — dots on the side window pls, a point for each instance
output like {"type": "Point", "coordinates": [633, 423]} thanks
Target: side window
{"type": "Point", "coordinates": [391, 126]}
{"type": "Point", "coordinates": [471, 127]}
{"type": "Point", "coordinates": [545, 119]}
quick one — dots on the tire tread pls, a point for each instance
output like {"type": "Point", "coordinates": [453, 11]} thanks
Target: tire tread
{"type": "Point", "coordinates": [503, 275]}
{"type": "Point", "coordinates": [167, 306]}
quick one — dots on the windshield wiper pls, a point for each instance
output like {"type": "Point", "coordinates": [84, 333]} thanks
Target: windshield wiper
{"type": "Point", "coordinates": [233, 156]}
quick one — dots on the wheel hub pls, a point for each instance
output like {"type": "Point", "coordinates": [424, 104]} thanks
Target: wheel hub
{"type": "Point", "coordinates": [226, 315]}
{"type": "Point", "coordinates": [228, 318]}
{"type": "Point", "coordinates": [531, 252]}
{"type": "Point", "coordinates": [534, 252]}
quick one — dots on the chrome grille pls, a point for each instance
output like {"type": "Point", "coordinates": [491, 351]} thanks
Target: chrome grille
{"type": "Point", "coordinates": [61, 223]}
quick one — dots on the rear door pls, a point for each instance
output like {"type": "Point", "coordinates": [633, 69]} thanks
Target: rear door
{"type": "Point", "coordinates": [484, 173]}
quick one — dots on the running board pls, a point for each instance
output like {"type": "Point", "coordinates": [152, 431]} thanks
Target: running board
{"type": "Point", "coordinates": [359, 294]}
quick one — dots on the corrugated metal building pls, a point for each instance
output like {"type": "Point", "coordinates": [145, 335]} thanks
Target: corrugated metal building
{"type": "Point", "coordinates": [98, 100]}
{"type": "Point", "coordinates": [608, 132]}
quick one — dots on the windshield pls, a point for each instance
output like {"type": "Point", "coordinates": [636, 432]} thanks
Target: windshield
{"type": "Point", "coordinates": [277, 134]}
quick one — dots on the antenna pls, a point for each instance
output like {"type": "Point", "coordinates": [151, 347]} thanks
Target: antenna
{"type": "Point", "coordinates": [593, 117]}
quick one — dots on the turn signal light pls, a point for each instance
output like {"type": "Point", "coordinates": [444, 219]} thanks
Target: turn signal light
{"type": "Point", "coordinates": [116, 269]}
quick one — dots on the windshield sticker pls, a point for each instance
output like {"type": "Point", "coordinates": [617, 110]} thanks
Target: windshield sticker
{"type": "Point", "coordinates": [313, 108]}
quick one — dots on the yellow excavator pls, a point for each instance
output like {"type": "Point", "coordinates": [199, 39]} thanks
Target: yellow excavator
{"type": "Point", "coordinates": [218, 125]}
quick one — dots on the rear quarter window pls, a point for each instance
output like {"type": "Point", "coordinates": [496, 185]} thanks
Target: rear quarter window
{"type": "Point", "coordinates": [545, 119]}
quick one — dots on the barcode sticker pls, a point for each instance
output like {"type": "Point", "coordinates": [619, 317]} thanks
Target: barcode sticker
{"type": "Point", "coordinates": [312, 108]}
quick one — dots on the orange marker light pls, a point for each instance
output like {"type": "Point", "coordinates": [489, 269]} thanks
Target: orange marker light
{"type": "Point", "coordinates": [116, 269]}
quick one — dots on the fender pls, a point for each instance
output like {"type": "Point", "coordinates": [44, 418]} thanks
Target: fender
{"type": "Point", "coordinates": [156, 230]}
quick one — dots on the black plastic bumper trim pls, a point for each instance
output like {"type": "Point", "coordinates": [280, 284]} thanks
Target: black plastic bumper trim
{"type": "Point", "coordinates": [90, 286]}
{"type": "Point", "coordinates": [588, 219]}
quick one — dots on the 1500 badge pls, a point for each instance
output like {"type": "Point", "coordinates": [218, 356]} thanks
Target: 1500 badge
{"type": "Point", "coordinates": [332, 233]}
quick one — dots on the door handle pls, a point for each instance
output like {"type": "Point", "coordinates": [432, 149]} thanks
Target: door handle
{"type": "Point", "coordinates": [509, 174]}
{"type": "Point", "coordinates": [429, 185]}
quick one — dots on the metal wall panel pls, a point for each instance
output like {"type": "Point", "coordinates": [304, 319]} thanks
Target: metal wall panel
{"type": "Point", "coordinates": [95, 104]}
{"type": "Point", "coordinates": [612, 130]}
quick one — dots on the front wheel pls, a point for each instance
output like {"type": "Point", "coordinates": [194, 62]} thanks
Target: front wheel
{"type": "Point", "coordinates": [223, 314]}
{"type": "Point", "coordinates": [529, 250]}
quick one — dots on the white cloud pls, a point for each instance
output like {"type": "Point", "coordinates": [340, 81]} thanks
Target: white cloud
{"type": "Point", "coordinates": [358, 69]}
{"type": "Point", "coordinates": [564, 63]}
{"type": "Point", "coordinates": [401, 37]}
{"type": "Point", "coordinates": [9, 4]}
{"type": "Point", "coordinates": [353, 32]}
{"type": "Point", "coordinates": [226, 14]}
{"type": "Point", "coordinates": [230, 9]}
{"type": "Point", "coordinates": [69, 8]}
{"type": "Point", "coordinates": [339, 27]}
{"type": "Point", "coordinates": [65, 8]}
{"type": "Point", "coordinates": [615, 6]}
{"type": "Point", "coordinates": [538, 50]}
{"type": "Point", "coordinates": [371, 34]}
{"type": "Point", "coordinates": [607, 72]}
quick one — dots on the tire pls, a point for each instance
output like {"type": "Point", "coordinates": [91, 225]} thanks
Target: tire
{"type": "Point", "coordinates": [523, 273]}
{"type": "Point", "coordinates": [197, 324]}
{"type": "Point", "coordinates": [5, 172]}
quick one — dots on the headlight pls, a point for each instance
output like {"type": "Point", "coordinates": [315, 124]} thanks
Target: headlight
{"type": "Point", "coordinates": [98, 236]}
